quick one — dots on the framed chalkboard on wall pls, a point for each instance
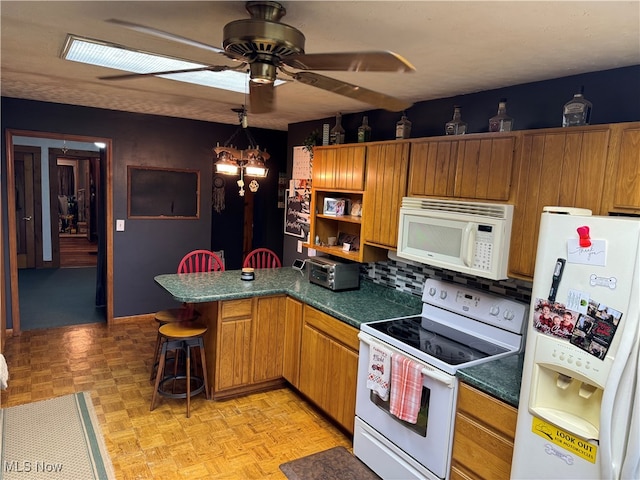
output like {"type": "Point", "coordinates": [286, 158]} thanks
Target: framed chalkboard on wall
{"type": "Point", "coordinates": [163, 192]}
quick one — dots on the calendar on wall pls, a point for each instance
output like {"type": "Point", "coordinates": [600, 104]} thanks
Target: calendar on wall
{"type": "Point", "coordinates": [301, 164]}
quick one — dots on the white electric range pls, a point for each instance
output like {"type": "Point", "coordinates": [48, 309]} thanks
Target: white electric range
{"type": "Point", "coordinates": [458, 327]}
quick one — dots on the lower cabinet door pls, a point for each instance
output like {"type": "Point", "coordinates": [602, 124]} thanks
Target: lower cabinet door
{"type": "Point", "coordinates": [328, 367]}
{"type": "Point", "coordinates": [233, 354]}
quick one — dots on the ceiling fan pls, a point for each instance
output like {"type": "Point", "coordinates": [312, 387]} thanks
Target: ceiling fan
{"type": "Point", "coordinates": [265, 46]}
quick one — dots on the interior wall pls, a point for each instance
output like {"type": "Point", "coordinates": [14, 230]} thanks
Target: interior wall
{"type": "Point", "coordinates": [149, 247]}
{"type": "Point", "coordinates": [614, 93]}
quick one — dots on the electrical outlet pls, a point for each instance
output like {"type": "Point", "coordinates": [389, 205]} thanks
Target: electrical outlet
{"type": "Point", "coordinates": [299, 246]}
{"type": "Point", "coordinates": [120, 225]}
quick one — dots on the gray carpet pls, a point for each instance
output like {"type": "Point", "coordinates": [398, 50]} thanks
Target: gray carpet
{"type": "Point", "coordinates": [333, 464]}
{"type": "Point", "coordinates": [55, 438]}
{"type": "Point", "coordinates": [57, 297]}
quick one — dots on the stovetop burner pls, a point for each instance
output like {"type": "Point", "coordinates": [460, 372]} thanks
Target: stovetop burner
{"type": "Point", "coordinates": [436, 340]}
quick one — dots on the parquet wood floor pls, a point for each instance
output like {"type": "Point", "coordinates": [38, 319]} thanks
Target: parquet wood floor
{"type": "Point", "coordinates": [242, 438]}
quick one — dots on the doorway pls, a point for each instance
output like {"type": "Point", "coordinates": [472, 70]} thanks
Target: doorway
{"type": "Point", "coordinates": [12, 215]}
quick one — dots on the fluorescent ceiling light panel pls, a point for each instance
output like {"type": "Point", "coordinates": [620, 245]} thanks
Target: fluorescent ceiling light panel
{"type": "Point", "coordinates": [103, 54]}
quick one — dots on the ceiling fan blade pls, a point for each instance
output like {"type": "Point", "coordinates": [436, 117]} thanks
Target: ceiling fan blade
{"type": "Point", "coordinates": [125, 76]}
{"type": "Point", "coordinates": [169, 36]}
{"type": "Point", "coordinates": [379, 100]}
{"type": "Point", "coordinates": [261, 97]}
{"type": "Point", "coordinates": [382, 61]}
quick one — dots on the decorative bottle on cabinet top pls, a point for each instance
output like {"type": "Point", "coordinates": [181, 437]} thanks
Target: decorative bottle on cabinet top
{"type": "Point", "coordinates": [456, 126]}
{"type": "Point", "coordinates": [364, 131]}
{"type": "Point", "coordinates": [403, 128]}
{"type": "Point", "coordinates": [576, 111]}
{"type": "Point", "coordinates": [501, 122]}
{"type": "Point", "coordinates": [336, 136]}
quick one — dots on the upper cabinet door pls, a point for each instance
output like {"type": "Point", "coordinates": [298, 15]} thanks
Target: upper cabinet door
{"type": "Point", "coordinates": [624, 155]}
{"type": "Point", "coordinates": [387, 170]}
{"type": "Point", "coordinates": [564, 166]}
{"type": "Point", "coordinates": [473, 167]}
{"type": "Point", "coordinates": [432, 168]}
{"type": "Point", "coordinates": [339, 167]}
{"type": "Point", "coordinates": [483, 168]}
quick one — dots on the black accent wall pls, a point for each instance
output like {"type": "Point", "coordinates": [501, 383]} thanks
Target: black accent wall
{"type": "Point", "coordinates": [149, 247]}
{"type": "Point", "coordinates": [615, 95]}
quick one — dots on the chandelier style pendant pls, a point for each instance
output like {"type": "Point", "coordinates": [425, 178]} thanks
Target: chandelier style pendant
{"type": "Point", "coordinates": [249, 162]}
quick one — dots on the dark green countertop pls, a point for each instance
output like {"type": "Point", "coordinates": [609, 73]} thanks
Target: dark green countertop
{"type": "Point", "coordinates": [370, 302]}
{"type": "Point", "coordinates": [500, 378]}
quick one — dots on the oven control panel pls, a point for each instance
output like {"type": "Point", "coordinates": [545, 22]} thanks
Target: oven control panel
{"type": "Point", "coordinates": [483, 306]}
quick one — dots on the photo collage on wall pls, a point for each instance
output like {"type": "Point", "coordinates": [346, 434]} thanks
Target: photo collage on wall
{"type": "Point", "coordinates": [591, 331]}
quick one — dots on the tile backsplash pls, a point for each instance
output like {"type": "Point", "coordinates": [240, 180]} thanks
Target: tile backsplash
{"type": "Point", "coordinates": [409, 277]}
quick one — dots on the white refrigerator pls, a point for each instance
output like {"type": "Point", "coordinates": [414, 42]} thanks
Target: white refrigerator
{"type": "Point", "coordinates": [579, 411]}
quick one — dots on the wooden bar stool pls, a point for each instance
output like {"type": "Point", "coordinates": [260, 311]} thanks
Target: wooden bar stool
{"type": "Point", "coordinates": [181, 337]}
{"type": "Point", "coordinates": [185, 313]}
{"type": "Point", "coordinates": [193, 262]}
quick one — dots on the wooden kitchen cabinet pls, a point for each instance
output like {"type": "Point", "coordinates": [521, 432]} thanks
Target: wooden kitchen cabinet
{"type": "Point", "coordinates": [269, 325]}
{"type": "Point", "coordinates": [386, 183]}
{"type": "Point", "coordinates": [292, 340]}
{"type": "Point", "coordinates": [473, 167]}
{"type": "Point", "coordinates": [339, 167]}
{"type": "Point", "coordinates": [249, 345]}
{"type": "Point", "coordinates": [622, 183]}
{"type": "Point", "coordinates": [560, 166]}
{"type": "Point", "coordinates": [483, 437]}
{"type": "Point", "coordinates": [324, 226]}
{"type": "Point", "coordinates": [339, 172]}
{"type": "Point", "coordinates": [329, 365]}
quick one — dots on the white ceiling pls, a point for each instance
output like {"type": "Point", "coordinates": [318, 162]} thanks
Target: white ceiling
{"type": "Point", "coordinates": [457, 47]}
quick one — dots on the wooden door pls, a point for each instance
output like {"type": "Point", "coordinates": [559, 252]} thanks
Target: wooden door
{"type": "Point", "coordinates": [268, 338]}
{"type": "Point", "coordinates": [329, 365]}
{"type": "Point", "coordinates": [432, 168]}
{"type": "Point", "coordinates": [557, 167]}
{"type": "Point", "coordinates": [292, 338]}
{"type": "Point", "coordinates": [339, 167]}
{"type": "Point", "coordinates": [386, 184]}
{"type": "Point", "coordinates": [28, 204]}
{"type": "Point", "coordinates": [233, 344]}
{"type": "Point", "coordinates": [623, 185]}
{"type": "Point", "coordinates": [483, 168]}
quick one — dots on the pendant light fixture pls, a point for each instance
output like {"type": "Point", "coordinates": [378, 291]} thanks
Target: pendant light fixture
{"type": "Point", "coordinates": [249, 162]}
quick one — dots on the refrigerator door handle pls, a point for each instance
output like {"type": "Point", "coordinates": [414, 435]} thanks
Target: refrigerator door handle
{"type": "Point", "coordinates": [617, 400]}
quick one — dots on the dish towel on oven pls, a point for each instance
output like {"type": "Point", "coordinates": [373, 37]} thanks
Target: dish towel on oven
{"type": "Point", "coordinates": [379, 370]}
{"type": "Point", "coordinates": [406, 388]}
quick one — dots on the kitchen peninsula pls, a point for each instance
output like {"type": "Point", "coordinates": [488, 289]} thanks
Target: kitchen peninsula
{"type": "Point", "coordinates": [281, 327]}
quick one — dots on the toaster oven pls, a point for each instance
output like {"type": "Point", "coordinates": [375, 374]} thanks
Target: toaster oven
{"type": "Point", "coordinates": [333, 274]}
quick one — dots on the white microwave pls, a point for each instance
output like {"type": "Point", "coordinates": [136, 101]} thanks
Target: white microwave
{"type": "Point", "coordinates": [466, 237]}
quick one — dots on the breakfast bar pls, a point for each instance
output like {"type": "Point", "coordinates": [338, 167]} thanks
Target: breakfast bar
{"type": "Point", "coordinates": [499, 378]}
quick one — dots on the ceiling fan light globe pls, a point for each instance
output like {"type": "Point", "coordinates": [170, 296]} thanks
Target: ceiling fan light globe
{"type": "Point", "coordinates": [262, 72]}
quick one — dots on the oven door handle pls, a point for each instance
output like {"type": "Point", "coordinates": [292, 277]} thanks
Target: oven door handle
{"type": "Point", "coordinates": [427, 370]}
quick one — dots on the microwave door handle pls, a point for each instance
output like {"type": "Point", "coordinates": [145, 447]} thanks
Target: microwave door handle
{"type": "Point", "coordinates": [469, 240]}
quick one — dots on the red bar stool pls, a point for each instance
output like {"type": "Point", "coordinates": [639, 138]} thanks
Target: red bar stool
{"type": "Point", "coordinates": [181, 338]}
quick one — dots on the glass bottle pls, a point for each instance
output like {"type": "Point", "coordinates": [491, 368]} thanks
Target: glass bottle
{"type": "Point", "coordinates": [576, 111]}
{"type": "Point", "coordinates": [336, 136]}
{"type": "Point", "coordinates": [364, 131]}
{"type": "Point", "coordinates": [403, 128]}
{"type": "Point", "coordinates": [456, 126]}
{"type": "Point", "coordinates": [501, 122]}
